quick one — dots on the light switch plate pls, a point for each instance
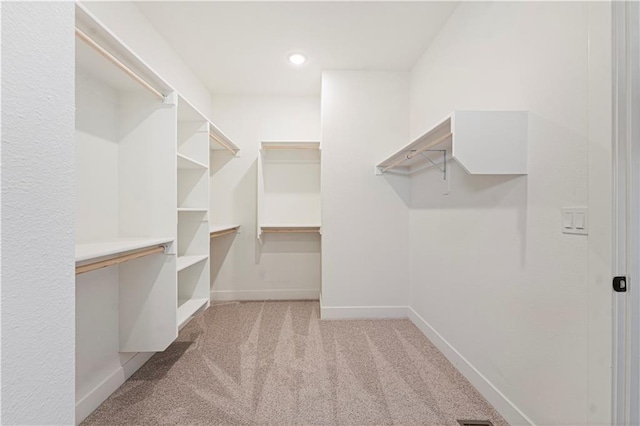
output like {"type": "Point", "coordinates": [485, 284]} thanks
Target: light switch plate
{"type": "Point", "coordinates": [574, 220]}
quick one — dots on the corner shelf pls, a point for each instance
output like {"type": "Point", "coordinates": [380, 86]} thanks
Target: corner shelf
{"type": "Point", "coordinates": [482, 142]}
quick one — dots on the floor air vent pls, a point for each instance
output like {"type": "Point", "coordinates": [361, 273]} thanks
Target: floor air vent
{"type": "Point", "coordinates": [475, 423]}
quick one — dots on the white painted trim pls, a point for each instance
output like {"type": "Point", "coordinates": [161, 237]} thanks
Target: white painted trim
{"type": "Point", "coordinates": [92, 400]}
{"type": "Point", "coordinates": [232, 295]}
{"type": "Point", "coordinates": [497, 399]}
{"type": "Point", "coordinates": [362, 312]}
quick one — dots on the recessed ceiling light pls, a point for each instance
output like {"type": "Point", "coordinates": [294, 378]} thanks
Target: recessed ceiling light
{"type": "Point", "coordinates": [297, 59]}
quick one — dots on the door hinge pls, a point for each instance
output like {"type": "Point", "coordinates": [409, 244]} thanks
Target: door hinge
{"type": "Point", "coordinates": [620, 284]}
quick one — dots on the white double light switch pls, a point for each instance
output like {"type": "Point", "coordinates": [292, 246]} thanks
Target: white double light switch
{"type": "Point", "coordinates": [574, 220]}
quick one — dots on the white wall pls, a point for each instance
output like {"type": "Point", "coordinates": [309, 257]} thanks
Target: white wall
{"type": "Point", "coordinates": [38, 298]}
{"type": "Point", "coordinates": [364, 216]}
{"type": "Point", "coordinates": [600, 268]}
{"type": "Point", "coordinates": [491, 272]}
{"type": "Point", "coordinates": [283, 266]}
{"type": "Point", "coordinates": [127, 22]}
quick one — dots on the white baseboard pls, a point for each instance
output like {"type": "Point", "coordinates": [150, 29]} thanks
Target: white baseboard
{"type": "Point", "coordinates": [92, 400]}
{"type": "Point", "coordinates": [497, 399]}
{"type": "Point", "coordinates": [361, 312]}
{"type": "Point", "coordinates": [244, 295]}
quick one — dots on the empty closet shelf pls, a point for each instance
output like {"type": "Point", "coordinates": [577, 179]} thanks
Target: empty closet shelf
{"type": "Point", "coordinates": [220, 230]}
{"type": "Point", "coordinates": [187, 308]}
{"type": "Point", "coordinates": [185, 162]}
{"type": "Point", "coordinates": [101, 254]}
{"type": "Point", "coordinates": [184, 262]}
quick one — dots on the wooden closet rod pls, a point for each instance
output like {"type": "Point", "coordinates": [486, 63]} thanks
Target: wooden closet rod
{"type": "Point", "coordinates": [84, 37]}
{"type": "Point", "coordinates": [289, 147]}
{"type": "Point", "coordinates": [120, 259]}
{"type": "Point", "coordinates": [221, 233]}
{"type": "Point", "coordinates": [290, 231]}
{"type": "Point", "coordinates": [227, 147]}
{"type": "Point", "coordinates": [416, 152]}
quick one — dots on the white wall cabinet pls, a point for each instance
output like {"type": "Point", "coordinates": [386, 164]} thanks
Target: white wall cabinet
{"type": "Point", "coordinates": [289, 187]}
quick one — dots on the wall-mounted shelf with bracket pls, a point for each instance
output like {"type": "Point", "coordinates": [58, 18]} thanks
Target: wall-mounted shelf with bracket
{"type": "Point", "coordinates": [482, 142]}
{"type": "Point", "coordinates": [289, 187]}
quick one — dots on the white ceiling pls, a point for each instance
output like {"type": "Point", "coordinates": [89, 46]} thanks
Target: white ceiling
{"type": "Point", "coordinates": [242, 47]}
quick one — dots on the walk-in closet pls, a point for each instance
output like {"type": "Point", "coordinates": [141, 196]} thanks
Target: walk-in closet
{"type": "Point", "coordinates": [319, 213]}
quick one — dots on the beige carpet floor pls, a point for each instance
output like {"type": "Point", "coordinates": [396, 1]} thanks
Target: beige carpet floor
{"type": "Point", "coordinates": [277, 363]}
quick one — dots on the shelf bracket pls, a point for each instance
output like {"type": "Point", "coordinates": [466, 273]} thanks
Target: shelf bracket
{"type": "Point", "coordinates": [442, 168]}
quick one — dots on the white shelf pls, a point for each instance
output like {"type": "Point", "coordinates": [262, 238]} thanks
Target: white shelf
{"type": "Point", "coordinates": [186, 308]}
{"type": "Point", "coordinates": [99, 249]}
{"type": "Point", "coordinates": [185, 162]}
{"type": "Point", "coordinates": [482, 142]}
{"type": "Point", "coordinates": [290, 145]}
{"type": "Point", "coordinates": [184, 262]}
{"type": "Point", "coordinates": [192, 209]}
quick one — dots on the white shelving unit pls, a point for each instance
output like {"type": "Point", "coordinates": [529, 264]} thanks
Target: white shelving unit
{"type": "Point", "coordinates": [142, 207]}
{"type": "Point", "coordinates": [192, 209]}
{"type": "Point", "coordinates": [289, 187]}
{"type": "Point", "coordinates": [125, 190]}
{"type": "Point", "coordinates": [482, 142]}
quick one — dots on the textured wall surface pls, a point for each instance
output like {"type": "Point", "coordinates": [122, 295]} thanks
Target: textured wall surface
{"type": "Point", "coordinates": [38, 296]}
